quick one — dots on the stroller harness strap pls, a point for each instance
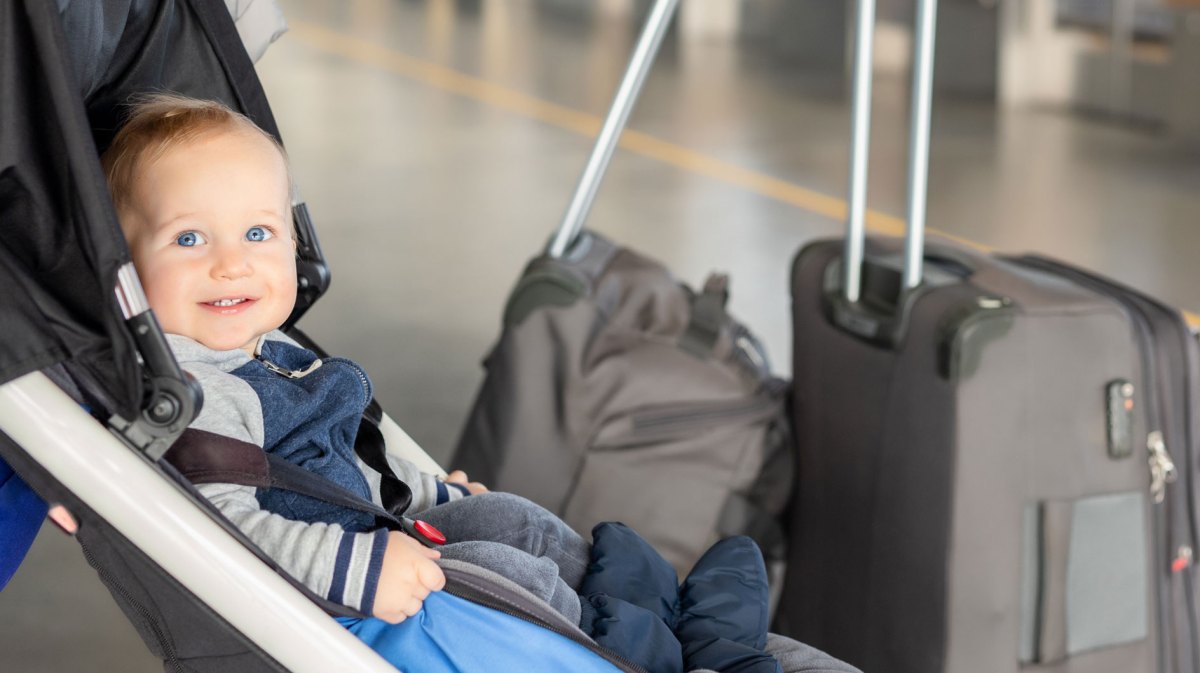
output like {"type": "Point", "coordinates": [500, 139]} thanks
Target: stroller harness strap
{"type": "Point", "coordinates": [206, 457]}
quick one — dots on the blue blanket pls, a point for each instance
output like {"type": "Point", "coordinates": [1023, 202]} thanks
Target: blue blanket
{"type": "Point", "coordinates": [21, 514]}
{"type": "Point", "coordinates": [452, 635]}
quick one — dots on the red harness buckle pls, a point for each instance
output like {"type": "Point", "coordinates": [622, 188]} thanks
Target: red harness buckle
{"type": "Point", "coordinates": [424, 533]}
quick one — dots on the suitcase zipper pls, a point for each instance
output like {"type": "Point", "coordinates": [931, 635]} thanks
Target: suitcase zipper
{"type": "Point", "coordinates": [1162, 468]}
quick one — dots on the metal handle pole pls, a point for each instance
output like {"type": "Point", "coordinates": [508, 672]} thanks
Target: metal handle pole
{"type": "Point", "coordinates": [918, 166]}
{"type": "Point", "coordinates": [130, 295]}
{"type": "Point", "coordinates": [614, 123]}
{"type": "Point", "coordinates": [860, 141]}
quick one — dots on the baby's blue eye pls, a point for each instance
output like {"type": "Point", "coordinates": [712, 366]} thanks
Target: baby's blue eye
{"type": "Point", "coordinates": [258, 234]}
{"type": "Point", "coordinates": [189, 238]}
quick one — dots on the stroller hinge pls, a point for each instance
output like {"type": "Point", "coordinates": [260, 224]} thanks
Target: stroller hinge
{"type": "Point", "coordinates": [171, 397]}
{"type": "Point", "coordinates": [312, 273]}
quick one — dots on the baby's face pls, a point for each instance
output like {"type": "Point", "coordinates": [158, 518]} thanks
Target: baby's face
{"type": "Point", "coordinates": [208, 228]}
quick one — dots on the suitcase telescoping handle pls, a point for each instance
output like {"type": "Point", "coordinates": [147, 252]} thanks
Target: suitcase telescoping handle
{"type": "Point", "coordinates": [606, 143]}
{"type": "Point", "coordinates": [918, 158]}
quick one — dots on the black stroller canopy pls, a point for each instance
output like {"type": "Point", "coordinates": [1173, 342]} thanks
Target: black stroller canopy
{"type": "Point", "coordinates": [68, 69]}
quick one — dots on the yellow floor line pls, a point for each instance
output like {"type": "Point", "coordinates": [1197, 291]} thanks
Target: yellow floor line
{"type": "Point", "coordinates": [584, 124]}
{"type": "Point", "coordinates": [446, 79]}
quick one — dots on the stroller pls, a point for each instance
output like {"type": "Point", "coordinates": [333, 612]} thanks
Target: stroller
{"type": "Point", "coordinates": [91, 398]}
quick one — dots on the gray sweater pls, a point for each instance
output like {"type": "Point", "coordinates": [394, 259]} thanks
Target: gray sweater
{"type": "Point", "coordinates": [332, 562]}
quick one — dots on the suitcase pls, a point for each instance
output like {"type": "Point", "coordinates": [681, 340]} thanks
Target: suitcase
{"type": "Point", "coordinates": [996, 455]}
{"type": "Point", "coordinates": [615, 393]}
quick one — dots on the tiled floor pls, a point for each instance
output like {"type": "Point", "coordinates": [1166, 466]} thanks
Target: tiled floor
{"type": "Point", "coordinates": [437, 144]}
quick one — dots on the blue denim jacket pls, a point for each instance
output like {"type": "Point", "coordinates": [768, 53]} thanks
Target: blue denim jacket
{"type": "Point", "coordinates": [311, 411]}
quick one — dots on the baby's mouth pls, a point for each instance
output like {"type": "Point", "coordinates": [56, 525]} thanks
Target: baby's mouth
{"type": "Point", "coordinates": [229, 305]}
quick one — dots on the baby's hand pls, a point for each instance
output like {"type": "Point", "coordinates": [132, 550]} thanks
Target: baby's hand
{"type": "Point", "coordinates": [408, 576]}
{"type": "Point", "coordinates": [63, 519]}
{"type": "Point", "coordinates": [460, 477]}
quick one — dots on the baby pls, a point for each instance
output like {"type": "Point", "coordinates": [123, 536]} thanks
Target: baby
{"type": "Point", "coordinates": [203, 197]}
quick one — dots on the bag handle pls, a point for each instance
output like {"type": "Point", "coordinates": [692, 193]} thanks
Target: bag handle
{"type": "Point", "coordinates": [918, 157]}
{"type": "Point", "coordinates": [618, 114]}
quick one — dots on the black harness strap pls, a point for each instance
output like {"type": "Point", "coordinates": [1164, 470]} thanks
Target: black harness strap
{"type": "Point", "coordinates": [206, 457]}
{"type": "Point", "coordinates": [371, 449]}
{"type": "Point", "coordinates": [296, 479]}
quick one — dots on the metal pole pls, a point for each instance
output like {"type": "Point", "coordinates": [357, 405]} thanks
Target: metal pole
{"type": "Point", "coordinates": [918, 168]}
{"type": "Point", "coordinates": [130, 294]}
{"type": "Point", "coordinates": [614, 123]}
{"type": "Point", "coordinates": [860, 140]}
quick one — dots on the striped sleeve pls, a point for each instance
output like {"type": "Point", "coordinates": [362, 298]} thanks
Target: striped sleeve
{"type": "Point", "coordinates": [358, 556]}
{"type": "Point", "coordinates": [343, 567]}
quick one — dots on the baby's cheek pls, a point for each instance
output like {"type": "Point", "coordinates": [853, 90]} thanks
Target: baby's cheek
{"type": "Point", "coordinates": [164, 295]}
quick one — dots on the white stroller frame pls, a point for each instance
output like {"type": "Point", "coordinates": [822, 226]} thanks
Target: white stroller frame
{"type": "Point", "coordinates": [179, 535]}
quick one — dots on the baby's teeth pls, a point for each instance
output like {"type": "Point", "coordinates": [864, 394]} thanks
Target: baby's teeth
{"type": "Point", "coordinates": [227, 302]}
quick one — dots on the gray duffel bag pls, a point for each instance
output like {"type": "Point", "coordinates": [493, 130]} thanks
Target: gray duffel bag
{"type": "Point", "coordinates": [615, 393]}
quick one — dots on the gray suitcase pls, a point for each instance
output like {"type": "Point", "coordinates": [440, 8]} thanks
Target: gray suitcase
{"type": "Point", "coordinates": [996, 455]}
{"type": "Point", "coordinates": [615, 393]}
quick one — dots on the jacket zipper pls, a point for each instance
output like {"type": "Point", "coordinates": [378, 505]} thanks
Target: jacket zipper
{"type": "Point", "coordinates": [289, 373]}
{"type": "Point", "coordinates": [314, 366]}
{"type": "Point", "coordinates": [1162, 468]}
{"type": "Point", "coordinates": [362, 376]}
{"type": "Point", "coordinates": [465, 587]}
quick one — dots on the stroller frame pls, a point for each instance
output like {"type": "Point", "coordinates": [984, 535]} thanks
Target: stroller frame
{"type": "Point", "coordinates": [167, 525]}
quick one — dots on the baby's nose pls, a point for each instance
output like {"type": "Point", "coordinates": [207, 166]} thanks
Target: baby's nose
{"type": "Point", "coordinates": [231, 262]}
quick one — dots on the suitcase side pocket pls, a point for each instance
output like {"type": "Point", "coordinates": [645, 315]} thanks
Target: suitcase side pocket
{"type": "Point", "coordinates": [1084, 576]}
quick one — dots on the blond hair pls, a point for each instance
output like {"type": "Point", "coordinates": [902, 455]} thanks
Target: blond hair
{"type": "Point", "coordinates": [159, 122]}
